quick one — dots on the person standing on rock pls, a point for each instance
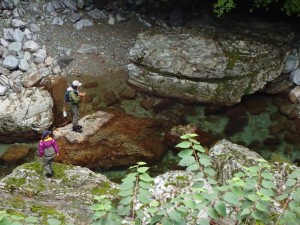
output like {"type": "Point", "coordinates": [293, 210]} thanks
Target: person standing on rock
{"type": "Point", "coordinates": [48, 149]}
{"type": "Point", "coordinates": [74, 99]}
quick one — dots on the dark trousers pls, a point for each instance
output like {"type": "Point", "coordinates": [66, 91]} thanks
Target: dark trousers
{"type": "Point", "coordinates": [47, 163]}
{"type": "Point", "coordinates": [75, 114]}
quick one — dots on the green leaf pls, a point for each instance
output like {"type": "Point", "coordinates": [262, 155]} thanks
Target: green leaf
{"type": "Point", "coordinates": [145, 185]}
{"type": "Point", "coordinates": [184, 144]}
{"type": "Point", "coordinates": [222, 188]}
{"type": "Point", "coordinates": [257, 215]}
{"type": "Point", "coordinates": [145, 177]}
{"type": "Point", "coordinates": [262, 206]}
{"type": "Point", "coordinates": [267, 175]}
{"type": "Point", "coordinates": [130, 177]}
{"type": "Point", "coordinates": [193, 167]}
{"type": "Point", "coordinates": [143, 198]}
{"type": "Point", "coordinates": [167, 221]}
{"type": "Point", "coordinates": [212, 213]}
{"type": "Point", "coordinates": [190, 204]}
{"type": "Point", "coordinates": [142, 169]}
{"type": "Point", "coordinates": [155, 219]}
{"type": "Point", "coordinates": [141, 163]}
{"type": "Point", "coordinates": [187, 161]}
{"type": "Point", "coordinates": [114, 217]}
{"type": "Point", "coordinates": [185, 152]}
{"type": "Point", "coordinates": [252, 197]}
{"type": "Point", "coordinates": [245, 211]}
{"type": "Point", "coordinates": [239, 174]}
{"type": "Point", "coordinates": [14, 223]}
{"type": "Point", "coordinates": [175, 215]}
{"type": "Point", "coordinates": [231, 198]}
{"type": "Point", "coordinates": [210, 171]}
{"type": "Point", "coordinates": [126, 186]}
{"type": "Point", "coordinates": [290, 182]}
{"type": "Point", "coordinates": [267, 192]}
{"type": "Point", "coordinates": [237, 191]}
{"type": "Point", "coordinates": [294, 175]}
{"type": "Point", "coordinates": [98, 215]}
{"type": "Point", "coordinates": [53, 221]}
{"type": "Point", "coordinates": [203, 221]}
{"type": "Point", "coordinates": [282, 197]}
{"type": "Point", "coordinates": [268, 184]}
{"type": "Point", "coordinates": [220, 208]}
{"type": "Point", "coordinates": [205, 162]}
{"type": "Point", "coordinates": [199, 148]}
{"type": "Point", "coordinates": [124, 210]}
{"type": "Point", "coordinates": [198, 184]}
{"type": "Point", "coordinates": [126, 193]}
{"type": "Point", "coordinates": [126, 201]}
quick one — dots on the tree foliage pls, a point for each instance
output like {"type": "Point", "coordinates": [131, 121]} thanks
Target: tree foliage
{"type": "Point", "coordinates": [289, 7]}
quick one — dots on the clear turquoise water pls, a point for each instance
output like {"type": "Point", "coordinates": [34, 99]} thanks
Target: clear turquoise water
{"type": "Point", "coordinates": [257, 130]}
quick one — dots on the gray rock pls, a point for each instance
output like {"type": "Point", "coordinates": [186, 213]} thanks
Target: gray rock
{"type": "Point", "coordinates": [206, 65]}
{"type": "Point", "coordinates": [41, 53]}
{"type": "Point", "coordinates": [23, 65]}
{"type": "Point", "coordinates": [74, 17]}
{"type": "Point", "coordinates": [34, 6]}
{"type": "Point", "coordinates": [34, 27]}
{"type": "Point", "coordinates": [111, 20]}
{"type": "Point", "coordinates": [58, 5]}
{"type": "Point", "coordinates": [28, 34]}
{"type": "Point", "coordinates": [83, 23]}
{"type": "Point", "coordinates": [8, 34]}
{"type": "Point", "coordinates": [15, 46]}
{"type": "Point", "coordinates": [18, 35]}
{"type": "Point", "coordinates": [31, 46]}
{"type": "Point", "coordinates": [292, 62]}
{"type": "Point", "coordinates": [15, 75]}
{"type": "Point", "coordinates": [3, 90]}
{"type": "Point", "coordinates": [10, 62]}
{"type": "Point", "coordinates": [72, 4]}
{"type": "Point", "coordinates": [4, 80]}
{"type": "Point", "coordinates": [97, 14]}
{"type": "Point", "coordinates": [57, 21]}
{"type": "Point", "coordinates": [17, 23]}
{"type": "Point", "coordinates": [120, 18]}
{"type": "Point", "coordinates": [27, 55]}
{"type": "Point", "coordinates": [49, 7]}
{"type": "Point", "coordinates": [86, 48]}
{"type": "Point", "coordinates": [295, 76]}
{"type": "Point", "coordinates": [4, 42]}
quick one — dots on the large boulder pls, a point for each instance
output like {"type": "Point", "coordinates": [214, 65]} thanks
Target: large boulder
{"type": "Point", "coordinates": [111, 140]}
{"type": "Point", "coordinates": [25, 114]}
{"type": "Point", "coordinates": [206, 64]}
{"type": "Point", "coordinates": [66, 197]}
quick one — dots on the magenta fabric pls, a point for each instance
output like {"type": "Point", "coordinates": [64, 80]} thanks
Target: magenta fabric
{"type": "Point", "coordinates": [46, 144]}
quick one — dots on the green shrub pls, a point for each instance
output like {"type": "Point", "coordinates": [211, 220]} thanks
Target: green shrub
{"type": "Point", "coordinates": [247, 198]}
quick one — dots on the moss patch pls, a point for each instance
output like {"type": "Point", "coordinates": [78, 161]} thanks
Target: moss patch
{"type": "Point", "coordinates": [104, 189]}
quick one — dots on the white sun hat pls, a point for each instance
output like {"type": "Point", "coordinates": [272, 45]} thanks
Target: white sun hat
{"type": "Point", "coordinates": [76, 83]}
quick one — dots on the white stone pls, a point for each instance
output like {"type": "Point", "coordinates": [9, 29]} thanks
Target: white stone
{"type": "Point", "coordinates": [32, 108]}
{"type": "Point", "coordinates": [23, 65]}
{"type": "Point", "coordinates": [15, 46]}
{"type": "Point", "coordinates": [10, 62]}
{"type": "Point", "coordinates": [31, 46]}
